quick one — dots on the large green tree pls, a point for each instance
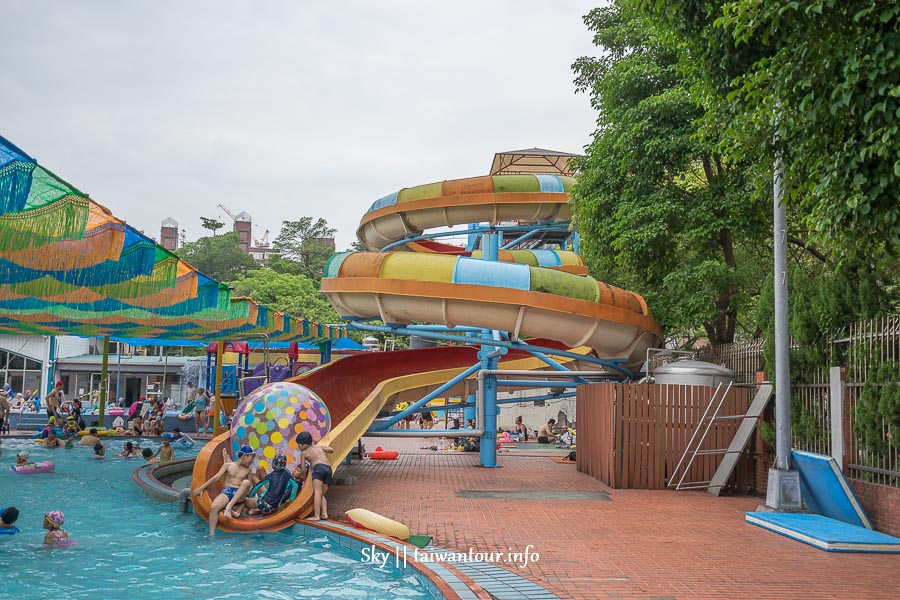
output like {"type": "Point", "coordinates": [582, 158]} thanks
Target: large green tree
{"type": "Point", "coordinates": [294, 294]}
{"type": "Point", "coordinates": [306, 243]}
{"type": "Point", "coordinates": [816, 82]}
{"type": "Point", "coordinates": [219, 257]}
{"type": "Point", "coordinates": [660, 211]}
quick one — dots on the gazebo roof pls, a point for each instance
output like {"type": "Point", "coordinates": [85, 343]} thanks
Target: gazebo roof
{"type": "Point", "coordinates": [532, 160]}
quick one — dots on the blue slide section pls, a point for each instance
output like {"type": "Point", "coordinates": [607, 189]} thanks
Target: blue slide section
{"type": "Point", "coordinates": [826, 491]}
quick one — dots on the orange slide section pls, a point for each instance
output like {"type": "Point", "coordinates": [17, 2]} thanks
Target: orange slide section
{"type": "Point", "coordinates": [355, 389]}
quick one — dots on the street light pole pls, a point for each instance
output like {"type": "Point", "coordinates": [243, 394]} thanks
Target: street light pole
{"type": "Point", "coordinates": [783, 490]}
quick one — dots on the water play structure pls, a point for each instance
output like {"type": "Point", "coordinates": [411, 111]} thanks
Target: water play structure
{"type": "Point", "coordinates": [516, 279]}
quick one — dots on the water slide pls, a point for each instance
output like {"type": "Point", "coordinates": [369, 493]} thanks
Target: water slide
{"type": "Point", "coordinates": [531, 293]}
{"type": "Point", "coordinates": [355, 389]}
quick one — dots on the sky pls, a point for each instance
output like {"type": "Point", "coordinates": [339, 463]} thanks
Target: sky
{"type": "Point", "coordinates": [283, 108]}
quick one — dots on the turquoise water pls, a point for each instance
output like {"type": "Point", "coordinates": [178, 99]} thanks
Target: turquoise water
{"type": "Point", "coordinates": [129, 546]}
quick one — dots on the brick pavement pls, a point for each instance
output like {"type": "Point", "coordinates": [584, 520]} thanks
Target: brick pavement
{"type": "Point", "coordinates": [640, 544]}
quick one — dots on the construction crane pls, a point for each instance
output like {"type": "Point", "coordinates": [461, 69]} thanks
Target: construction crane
{"type": "Point", "coordinates": [263, 241]}
{"type": "Point", "coordinates": [228, 212]}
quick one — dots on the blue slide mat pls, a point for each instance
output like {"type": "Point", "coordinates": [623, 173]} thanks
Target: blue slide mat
{"type": "Point", "coordinates": [825, 490]}
{"type": "Point", "coordinates": [824, 533]}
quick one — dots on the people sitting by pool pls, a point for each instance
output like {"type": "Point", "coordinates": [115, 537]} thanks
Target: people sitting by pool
{"type": "Point", "coordinates": [8, 518]}
{"type": "Point", "coordinates": [470, 424]}
{"type": "Point", "coordinates": [22, 459]}
{"type": "Point", "coordinates": [454, 423]}
{"type": "Point", "coordinates": [137, 426]}
{"type": "Point", "coordinates": [316, 457]}
{"type": "Point", "coordinates": [157, 427]}
{"type": "Point", "coordinates": [277, 488]}
{"type": "Point", "coordinates": [183, 438]}
{"type": "Point", "coordinates": [545, 434]}
{"type": "Point", "coordinates": [52, 440]}
{"type": "Point", "coordinates": [166, 452]}
{"type": "Point", "coordinates": [91, 438]}
{"type": "Point", "coordinates": [235, 472]}
{"type": "Point", "coordinates": [129, 450]}
{"type": "Point", "coordinates": [53, 522]}
{"type": "Point", "coordinates": [520, 429]}
{"type": "Point", "coordinates": [99, 451]}
{"type": "Point", "coordinates": [147, 453]}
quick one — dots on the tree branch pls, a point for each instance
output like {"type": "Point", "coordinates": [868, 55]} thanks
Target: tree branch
{"type": "Point", "coordinates": [811, 249]}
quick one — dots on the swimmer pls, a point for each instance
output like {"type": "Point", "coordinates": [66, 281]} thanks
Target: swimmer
{"type": "Point", "coordinates": [51, 441]}
{"type": "Point", "coordinates": [166, 452]}
{"type": "Point", "coordinates": [53, 522]}
{"type": "Point", "coordinates": [235, 472]}
{"type": "Point", "coordinates": [91, 438]}
{"type": "Point", "coordinates": [99, 451]}
{"type": "Point", "coordinates": [128, 451]}
{"type": "Point", "coordinates": [147, 453]}
{"type": "Point", "coordinates": [321, 472]}
{"type": "Point", "coordinates": [184, 438]}
{"type": "Point", "coordinates": [22, 459]}
{"type": "Point", "coordinates": [8, 517]}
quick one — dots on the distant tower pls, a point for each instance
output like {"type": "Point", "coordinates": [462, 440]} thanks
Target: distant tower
{"type": "Point", "coordinates": [242, 224]}
{"type": "Point", "coordinates": [168, 234]}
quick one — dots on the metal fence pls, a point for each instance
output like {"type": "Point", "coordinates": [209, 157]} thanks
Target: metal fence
{"type": "Point", "coordinates": [744, 358]}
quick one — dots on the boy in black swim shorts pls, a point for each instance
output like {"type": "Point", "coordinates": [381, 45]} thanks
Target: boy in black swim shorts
{"type": "Point", "coordinates": [320, 468]}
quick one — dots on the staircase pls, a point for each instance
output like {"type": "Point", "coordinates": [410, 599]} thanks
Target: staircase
{"type": "Point", "coordinates": [735, 448]}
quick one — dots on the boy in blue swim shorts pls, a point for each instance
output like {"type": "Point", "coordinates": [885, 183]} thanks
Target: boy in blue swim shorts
{"type": "Point", "coordinates": [317, 457]}
{"type": "Point", "coordinates": [277, 488]}
{"type": "Point", "coordinates": [236, 473]}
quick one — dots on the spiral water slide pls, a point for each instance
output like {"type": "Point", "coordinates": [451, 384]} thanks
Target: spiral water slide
{"type": "Point", "coordinates": [534, 293]}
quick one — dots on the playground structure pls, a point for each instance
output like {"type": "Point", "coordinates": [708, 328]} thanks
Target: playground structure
{"type": "Point", "coordinates": [507, 284]}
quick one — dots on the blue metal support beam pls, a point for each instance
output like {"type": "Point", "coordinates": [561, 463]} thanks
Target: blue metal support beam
{"type": "Point", "coordinates": [610, 364]}
{"type": "Point", "coordinates": [479, 229]}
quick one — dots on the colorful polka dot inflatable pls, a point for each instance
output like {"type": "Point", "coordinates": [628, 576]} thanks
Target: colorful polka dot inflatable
{"type": "Point", "coordinates": [270, 418]}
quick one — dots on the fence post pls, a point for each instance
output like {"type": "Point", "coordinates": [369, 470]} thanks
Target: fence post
{"type": "Point", "coordinates": [836, 400]}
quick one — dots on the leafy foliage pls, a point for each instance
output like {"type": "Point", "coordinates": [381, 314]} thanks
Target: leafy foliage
{"type": "Point", "coordinates": [305, 243]}
{"type": "Point", "coordinates": [659, 210]}
{"type": "Point", "coordinates": [877, 420]}
{"type": "Point", "coordinates": [211, 224]}
{"type": "Point", "coordinates": [219, 257]}
{"type": "Point", "coordinates": [815, 82]}
{"type": "Point", "coordinates": [295, 294]}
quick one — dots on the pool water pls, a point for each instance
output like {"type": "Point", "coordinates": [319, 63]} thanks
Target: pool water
{"type": "Point", "coordinates": [129, 546]}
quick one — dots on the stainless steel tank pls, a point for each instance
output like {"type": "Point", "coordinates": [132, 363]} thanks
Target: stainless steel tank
{"type": "Point", "coordinates": [693, 372]}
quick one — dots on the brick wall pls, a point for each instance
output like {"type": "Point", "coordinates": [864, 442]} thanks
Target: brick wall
{"type": "Point", "coordinates": [881, 503]}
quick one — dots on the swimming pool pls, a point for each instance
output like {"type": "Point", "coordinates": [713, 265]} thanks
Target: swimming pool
{"type": "Point", "coordinates": [129, 546]}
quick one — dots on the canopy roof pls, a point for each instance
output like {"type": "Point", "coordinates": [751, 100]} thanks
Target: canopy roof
{"type": "Point", "coordinates": [68, 266]}
{"type": "Point", "coordinates": [532, 160]}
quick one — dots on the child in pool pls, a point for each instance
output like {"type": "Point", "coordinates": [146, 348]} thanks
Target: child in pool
{"type": "Point", "coordinates": [147, 453]}
{"type": "Point", "coordinates": [235, 473]}
{"type": "Point", "coordinates": [321, 472]}
{"type": "Point", "coordinates": [22, 459]}
{"type": "Point", "coordinates": [51, 441]}
{"type": "Point", "coordinates": [128, 451]}
{"type": "Point", "coordinates": [166, 452]}
{"type": "Point", "coordinates": [53, 522]}
{"type": "Point", "coordinates": [99, 451]}
{"type": "Point", "coordinates": [8, 517]}
{"type": "Point", "coordinates": [184, 438]}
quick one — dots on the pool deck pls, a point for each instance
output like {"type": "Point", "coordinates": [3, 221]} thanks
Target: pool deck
{"type": "Point", "coordinates": [597, 542]}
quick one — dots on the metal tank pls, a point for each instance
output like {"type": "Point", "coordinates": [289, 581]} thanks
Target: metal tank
{"type": "Point", "coordinates": [693, 372]}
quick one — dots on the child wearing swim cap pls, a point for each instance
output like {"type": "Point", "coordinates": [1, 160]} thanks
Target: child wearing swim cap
{"type": "Point", "coordinates": [277, 490]}
{"type": "Point", "coordinates": [321, 470]}
{"type": "Point", "coordinates": [53, 522]}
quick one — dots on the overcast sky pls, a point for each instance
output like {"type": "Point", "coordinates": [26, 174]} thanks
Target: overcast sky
{"type": "Point", "coordinates": [284, 109]}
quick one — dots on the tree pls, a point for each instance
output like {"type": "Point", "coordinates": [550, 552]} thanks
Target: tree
{"type": "Point", "coordinates": [660, 211]}
{"type": "Point", "coordinates": [297, 295]}
{"type": "Point", "coordinates": [814, 82]}
{"type": "Point", "coordinates": [306, 243]}
{"type": "Point", "coordinates": [219, 257]}
{"type": "Point", "coordinates": [211, 224]}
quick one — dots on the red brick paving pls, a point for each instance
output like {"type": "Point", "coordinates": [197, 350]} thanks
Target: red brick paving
{"type": "Point", "coordinates": [640, 544]}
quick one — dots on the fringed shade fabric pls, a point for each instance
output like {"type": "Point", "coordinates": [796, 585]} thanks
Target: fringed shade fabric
{"type": "Point", "coordinates": [68, 266]}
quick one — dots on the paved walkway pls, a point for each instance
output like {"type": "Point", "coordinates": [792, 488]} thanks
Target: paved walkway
{"type": "Point", "coordinates": [596, 542]}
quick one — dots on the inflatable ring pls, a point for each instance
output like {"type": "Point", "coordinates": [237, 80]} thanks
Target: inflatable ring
{"type": "Point", "coordinates": [100, 431]}
{"type": "Point", "coordinates": [366, 519]}
{"type": "Point", "coordinates": [380, 454]}
{"type": "Point", "coordinates": [41, 467]}
{"type": "Point", "coordinates": [187, 413]}
{"type": "Point", "coordinates": [116, 411]}
{"type": "Point", "coordinates": [182, 445]}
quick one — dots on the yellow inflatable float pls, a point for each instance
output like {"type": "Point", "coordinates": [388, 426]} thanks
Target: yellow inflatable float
{"type": "Point", "coordinates": [366, 519]}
